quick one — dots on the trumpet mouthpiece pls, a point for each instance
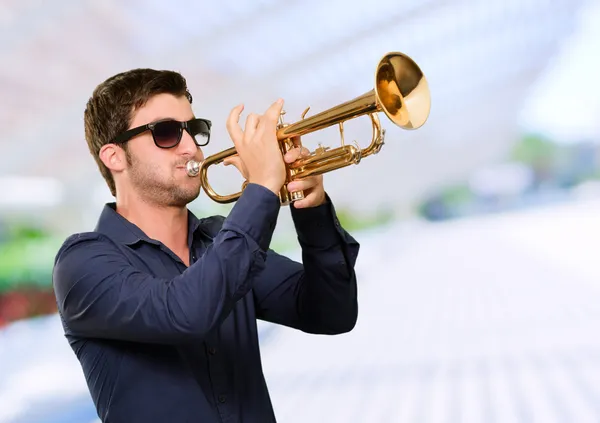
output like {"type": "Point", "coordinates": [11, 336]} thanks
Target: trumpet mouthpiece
{"type": "Point", "coordinates": [193, 168]}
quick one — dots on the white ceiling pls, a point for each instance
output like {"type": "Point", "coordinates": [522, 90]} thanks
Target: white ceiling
{"type": "Point", "coordinates": [480, 58]}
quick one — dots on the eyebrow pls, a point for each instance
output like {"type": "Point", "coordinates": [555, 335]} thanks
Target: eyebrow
{"type": "Point", "coordinates": [161, 119]}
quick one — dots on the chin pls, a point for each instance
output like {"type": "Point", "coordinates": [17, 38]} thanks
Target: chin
{"type": "Point", "coordinates": [182, 198]}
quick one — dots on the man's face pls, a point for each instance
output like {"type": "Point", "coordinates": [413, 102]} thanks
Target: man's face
{"type": "Point", "coordinates": [157, 174]}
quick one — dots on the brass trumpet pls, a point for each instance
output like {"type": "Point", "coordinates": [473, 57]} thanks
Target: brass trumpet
{"type": "Point", "coordinates": [401, 91]}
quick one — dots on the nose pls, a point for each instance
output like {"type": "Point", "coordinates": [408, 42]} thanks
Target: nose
{"type": "Point", "coordinates": [187, 146]}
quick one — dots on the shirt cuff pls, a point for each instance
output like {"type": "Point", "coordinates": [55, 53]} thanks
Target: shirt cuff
{"type": "Point", "coordinates": [318, 226]}
{"type": "Point", "coordinates": [255, 214]}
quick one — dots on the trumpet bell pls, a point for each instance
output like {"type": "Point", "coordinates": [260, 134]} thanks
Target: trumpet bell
{"type": "Point", "coordinates": [402, 91]}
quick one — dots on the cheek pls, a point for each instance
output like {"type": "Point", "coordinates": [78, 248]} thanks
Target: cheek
{"type": "Point", "coordinates": [152, 158]}
{"type": "Point", "coordinates": [150, 166]}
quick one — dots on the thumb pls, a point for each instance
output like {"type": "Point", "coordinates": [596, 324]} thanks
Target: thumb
{"type": "Point", "coordinates": [237, 162]}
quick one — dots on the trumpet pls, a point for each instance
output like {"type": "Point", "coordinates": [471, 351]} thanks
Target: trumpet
{"type": "Point", "coordinates": [401, 92]}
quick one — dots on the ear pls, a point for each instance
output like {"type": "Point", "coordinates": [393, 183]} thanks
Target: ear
{"type": "Point", "coordinates": [113, 157]}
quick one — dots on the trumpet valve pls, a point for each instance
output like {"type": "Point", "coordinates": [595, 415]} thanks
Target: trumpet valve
{"type": "Point", "coordinates": [281, 122]}
{"type": "Point", "coordinates": [321, 149]}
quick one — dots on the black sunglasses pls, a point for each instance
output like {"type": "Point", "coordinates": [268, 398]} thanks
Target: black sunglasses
{"type": "Point", "coordinates": [167, 133]}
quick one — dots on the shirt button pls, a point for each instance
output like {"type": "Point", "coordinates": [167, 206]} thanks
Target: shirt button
{"type": "Point", "coordinates": [222, 398]}
{"type": "Point", "coordinates": [212, 350]}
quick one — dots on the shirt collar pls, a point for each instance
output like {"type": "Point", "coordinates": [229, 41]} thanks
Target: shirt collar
{"type": "Point", "coordinates": [123, 231]}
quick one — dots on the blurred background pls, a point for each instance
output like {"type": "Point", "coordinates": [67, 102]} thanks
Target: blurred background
{"type": "Point", "coordinates": [479, 293]}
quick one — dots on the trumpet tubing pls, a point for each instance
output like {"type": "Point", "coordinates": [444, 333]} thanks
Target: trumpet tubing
{"type": "Point", "coordinates": [401, 92]}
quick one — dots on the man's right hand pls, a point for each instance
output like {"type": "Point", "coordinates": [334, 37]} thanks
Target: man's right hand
{"type": "Point", "coordinates": [258, 151]}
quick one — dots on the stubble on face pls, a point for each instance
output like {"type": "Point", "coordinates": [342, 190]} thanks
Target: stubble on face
{"type": "Point", "coordinates": [160, 187]}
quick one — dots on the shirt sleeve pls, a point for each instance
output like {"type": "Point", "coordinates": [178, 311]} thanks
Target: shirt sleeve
{"type": "Point", "coordinates": [101, 294]}
{"type": "Point", "coordinates": [318, 295]}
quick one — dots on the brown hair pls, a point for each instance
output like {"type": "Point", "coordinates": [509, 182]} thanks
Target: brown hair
{"type": "Point", "coordinates": [110, 109]}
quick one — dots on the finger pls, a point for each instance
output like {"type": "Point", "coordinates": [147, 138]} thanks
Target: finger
{"type": "Point", "coordinates": [292, 155]}
{"type": "Point", "coordinates": [238, 163]}
{"type": "Point", "coordinates": [300, 204]}
{"type": "Point", "coordinates": [303, 184]}
{"type": "Point", "coordinates": [232, 123]}
{"type": "Point", "coordinates": [229, 160]}
{"type": "Point", "coordinates": [295, 153]}
{"type": "Point", "coordinates": [273, 112]}
{"type": "Point", "coordinates": [252, 122]}
{"type": "Point", "coordinates": [297, 141]}
{"type": "Point", "coordinates": [307, 201]}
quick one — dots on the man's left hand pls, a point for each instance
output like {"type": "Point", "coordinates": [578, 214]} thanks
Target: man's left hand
{"type": "Point", "coordinates": [314, 192]}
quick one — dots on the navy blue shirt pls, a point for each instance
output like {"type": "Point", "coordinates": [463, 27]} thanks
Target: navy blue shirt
{"type": "Point", "coordinates": [162, 342]}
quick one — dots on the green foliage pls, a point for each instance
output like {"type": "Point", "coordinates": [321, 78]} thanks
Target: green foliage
{"type": "Point", "coordinates": [535, 149]}
{"type": "Point", "coordinates": [25, 232]}
{"type": "Point", "coordinates": [26, 257]}
{"type": "Point", "coordinates": [27, 253]}
{"type": "Point", "coordinates": [456, 194]}
{"type": "Point", "coordinates": [351, 222]}
{"type": "Point", "coordinates": [354, 222]}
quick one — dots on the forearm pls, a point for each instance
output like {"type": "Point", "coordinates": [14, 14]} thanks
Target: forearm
{"type": "Point", "coordinates": [133, 305]}
{"type": "Point", "coordinates": [328, 295]}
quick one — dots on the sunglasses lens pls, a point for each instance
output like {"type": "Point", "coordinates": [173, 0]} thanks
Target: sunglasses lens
{"type": "Point", "coordinates": [200, 131]}
{"type": "Point", "coordinates": [166, 134]}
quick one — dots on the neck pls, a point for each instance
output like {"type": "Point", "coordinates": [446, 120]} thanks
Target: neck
{"type": "Point", "coordinates": [168, 225]}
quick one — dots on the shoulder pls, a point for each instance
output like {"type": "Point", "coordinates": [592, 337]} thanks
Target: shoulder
{"type": "Point", "coordinates": [82, 252]}
{"type": "Point", "coordinates": [84, 257]}
{"type": "Point", "coordinates": [82, 242]}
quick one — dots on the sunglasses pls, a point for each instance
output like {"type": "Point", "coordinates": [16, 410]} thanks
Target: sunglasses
{"type": "Point", "coordinates": [167, 133]}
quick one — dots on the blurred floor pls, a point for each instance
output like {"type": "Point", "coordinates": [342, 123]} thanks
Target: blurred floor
{"type": "Point", "coordinates": [488, 319]}
{"type": "Point", "coordinates": [484, 320]}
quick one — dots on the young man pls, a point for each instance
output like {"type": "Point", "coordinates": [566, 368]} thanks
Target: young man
{"type": "Point", "coordinates": [159, 306]}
